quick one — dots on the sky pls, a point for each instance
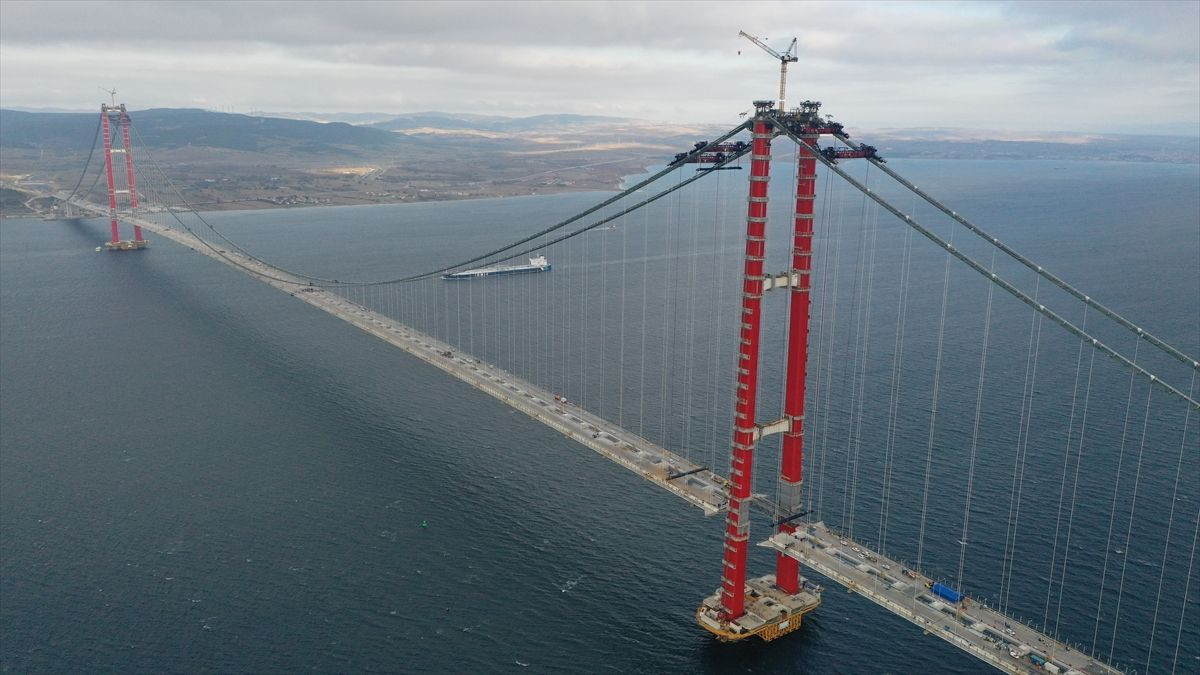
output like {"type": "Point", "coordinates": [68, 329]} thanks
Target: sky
{"type": "Point", "coordinates": [1117, 67]}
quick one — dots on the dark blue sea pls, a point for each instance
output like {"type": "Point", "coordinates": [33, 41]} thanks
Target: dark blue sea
{"type": "Point", "coordinates": [201, 474]}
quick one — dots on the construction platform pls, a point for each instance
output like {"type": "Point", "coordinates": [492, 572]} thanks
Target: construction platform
{"type": "Point", "coordinates": [770, 612]}
{"type": "Point", "coordinates": [127, 245]}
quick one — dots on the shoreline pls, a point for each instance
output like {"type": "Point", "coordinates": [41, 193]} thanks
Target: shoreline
{"type": "Point", "coordinates": [442, 196]}
{"type": "Point", "coordinates": [42, 214]}
{"type": "Point", "coordinates": [258, 204]}
{"type": "Point", "coordinates": [21, 200]}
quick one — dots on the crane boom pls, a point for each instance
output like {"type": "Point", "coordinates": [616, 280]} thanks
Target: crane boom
{"type": "Point", "coordinates": [784, 59]}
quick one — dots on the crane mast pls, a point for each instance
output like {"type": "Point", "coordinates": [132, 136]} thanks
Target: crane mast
{"type": "Point", "coordinates": [785, 58]}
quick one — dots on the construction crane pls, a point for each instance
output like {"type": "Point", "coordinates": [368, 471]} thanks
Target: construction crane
{"type": "Point", "coordinates": [785, 58]}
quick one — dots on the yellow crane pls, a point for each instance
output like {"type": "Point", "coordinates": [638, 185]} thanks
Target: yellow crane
{"type": "Point", "coordinates": [785, 58]}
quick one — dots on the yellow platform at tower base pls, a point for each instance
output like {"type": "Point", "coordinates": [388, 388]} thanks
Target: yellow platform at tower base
{"type": "Point", "coordinates": [770, 612]}
{"type": "Point", "coordinates": [126, 245]}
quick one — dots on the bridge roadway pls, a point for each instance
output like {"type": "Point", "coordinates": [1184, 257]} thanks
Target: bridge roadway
{"type": "Point", "coordinates": [1005, 643]}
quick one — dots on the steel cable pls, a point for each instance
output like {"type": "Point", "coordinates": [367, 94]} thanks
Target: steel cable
{"type": "Point", "coordinates": [91, 151]}
{"type": "Point", "coordinates": [1042, 272]}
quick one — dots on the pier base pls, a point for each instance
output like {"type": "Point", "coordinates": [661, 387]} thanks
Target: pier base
{"type": "Point", "coordinates": [126, 245]}
{"type": "Point", "coordinates": [770, 612]}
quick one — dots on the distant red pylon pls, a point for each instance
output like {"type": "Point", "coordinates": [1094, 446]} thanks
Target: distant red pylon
{"type": "Point", "coordinates": [130, 189]}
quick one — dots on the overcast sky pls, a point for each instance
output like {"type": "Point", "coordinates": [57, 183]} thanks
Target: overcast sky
{"type": "Point", "coordinates": [1096, 66]}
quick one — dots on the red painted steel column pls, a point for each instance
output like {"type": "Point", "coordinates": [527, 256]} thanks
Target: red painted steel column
{"type": "Point", "coordinates": [787, 570]}
{"type": "Point", "coordinates": [133, 200]}
{"type": "Point", "coordinates": [737, 521]}
{"type": "Point", "coordinates": [108, 167]}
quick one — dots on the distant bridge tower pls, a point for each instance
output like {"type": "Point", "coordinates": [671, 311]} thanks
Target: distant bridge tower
{"type": "Point", "coordinates": [107, 115]}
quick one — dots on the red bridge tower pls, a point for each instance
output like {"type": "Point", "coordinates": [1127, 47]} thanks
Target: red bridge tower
{"type": "Point", "coordinates": [107, 115]}
{"type": "Point", "coordinates": [772, 605]}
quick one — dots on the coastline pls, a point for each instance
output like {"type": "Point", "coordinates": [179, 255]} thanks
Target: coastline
{"type": "Point", "coordinates": [259, 204]}
{"type": "Point", "coordinates": [610, 183]}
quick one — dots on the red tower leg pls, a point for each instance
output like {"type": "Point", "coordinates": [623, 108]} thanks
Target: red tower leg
{"type": "Point", "coordinates": [737, 523]}
{"type": "Point", "coordinates": [787, 570]}
{"type": "Point", "coordinates": [133, 199]}
{"type": "Point", "coordinates": [108, 168]}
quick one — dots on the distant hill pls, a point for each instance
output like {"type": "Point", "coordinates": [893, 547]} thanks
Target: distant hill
{"type": "Point", "coordinates": [324, 118]}
{"type": "Point", "coordinates": [224, 160]}
{"type": "Point", "coordinates": [441, 120]}
{"type": "Point", "coordinates": [52, 131]}
{"type": "Point", "coordinates": [176, 128]}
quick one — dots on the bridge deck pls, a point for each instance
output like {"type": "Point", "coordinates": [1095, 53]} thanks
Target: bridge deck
{"type": "Point", "coordinates": [1005, 643]}
{"type": "Point", "coordinates": [700, 487]}
{"type": "Point", "coordinates": [981, 631]}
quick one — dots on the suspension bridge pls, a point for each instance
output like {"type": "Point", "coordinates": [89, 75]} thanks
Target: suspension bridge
{"type": "Point", "coordinates": [854, 389]}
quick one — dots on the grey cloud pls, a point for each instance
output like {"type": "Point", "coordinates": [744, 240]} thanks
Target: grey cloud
{"type": "Point", "coordinates": [665, 24]}
{"type": "Point", "coordinates": [1140, 31]}
{"type": "Point", "coordinates": [880, 64]}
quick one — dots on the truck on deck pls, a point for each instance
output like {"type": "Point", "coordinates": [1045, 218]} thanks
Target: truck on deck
{"type": "Point", "coordinates": [946, 592]}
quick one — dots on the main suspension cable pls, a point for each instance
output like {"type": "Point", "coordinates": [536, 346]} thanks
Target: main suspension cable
{"type": "Point", "coordinates": [327, 283]}
{"type": "Point", "coordinates": [603, 221]}
{"type": "Point", "coordinates": [88, 163]}
{"type": "Point", "coordinates": [1000, 281]}
{"type": "Point", "coordinates": [1042, 272]}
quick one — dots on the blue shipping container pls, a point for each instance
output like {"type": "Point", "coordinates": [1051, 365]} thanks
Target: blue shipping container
{"type": "Point", "coordinates": [946, 592]}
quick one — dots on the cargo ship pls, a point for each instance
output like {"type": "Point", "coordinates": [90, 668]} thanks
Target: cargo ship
{"type": "Point", "coordinates": [537, 264]}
